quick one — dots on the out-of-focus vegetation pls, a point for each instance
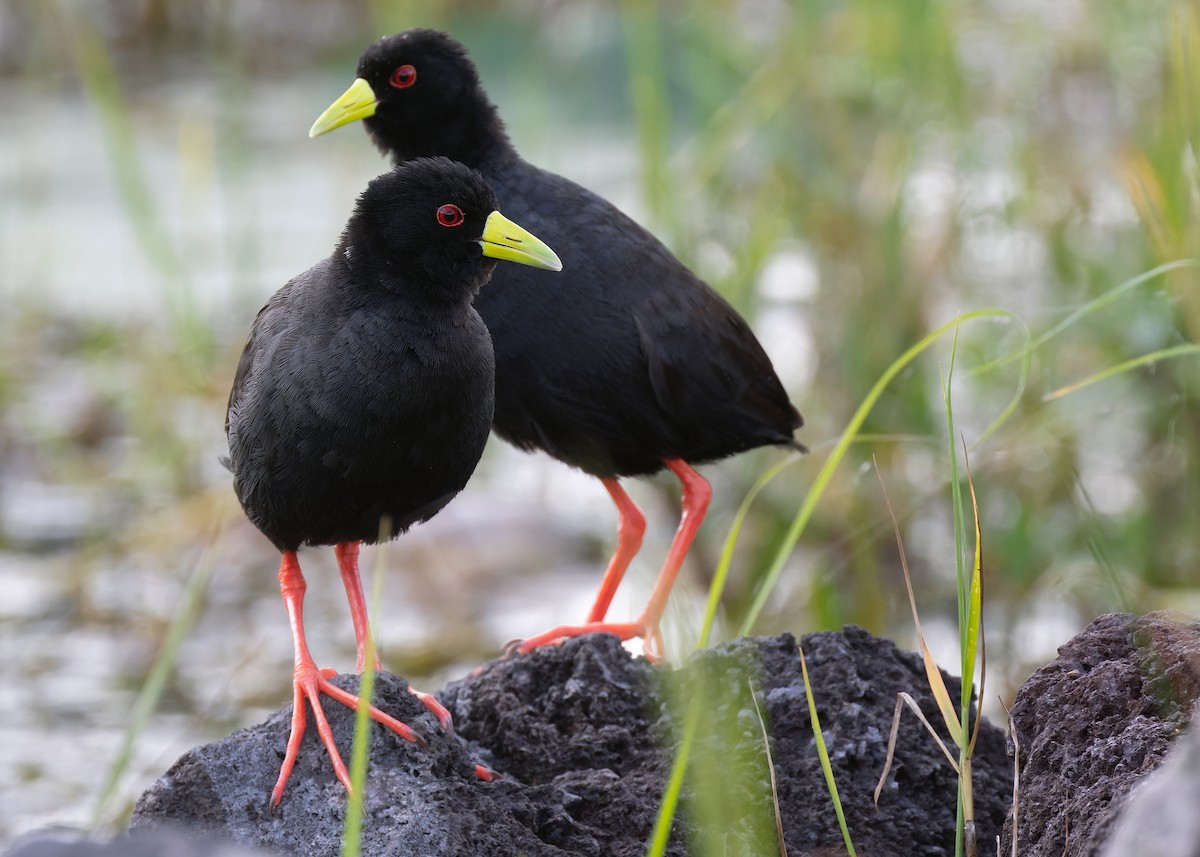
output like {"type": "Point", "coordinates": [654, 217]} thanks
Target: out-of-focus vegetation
{"type": "Point", "coordinates": [851, 175]}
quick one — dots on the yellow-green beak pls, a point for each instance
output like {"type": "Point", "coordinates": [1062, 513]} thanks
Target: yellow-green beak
{"type": "Point", "coordinates": [503, 239]}
{"type": "Point", "coordinates": [357, 102]}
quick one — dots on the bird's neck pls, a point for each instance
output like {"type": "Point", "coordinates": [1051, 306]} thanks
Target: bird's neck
{"type": "Point", "coordinates": [440, 297]}
{"type": "Point", "coordinates": [475, 136]}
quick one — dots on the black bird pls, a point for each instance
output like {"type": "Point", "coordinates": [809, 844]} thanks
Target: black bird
{"type": "Point", "coordinates": [633, 364]}
{"type": "Point", "coordinates": [364, 395]}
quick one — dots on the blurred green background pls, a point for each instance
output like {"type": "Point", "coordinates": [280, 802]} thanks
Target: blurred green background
{"type": "Point", "coordinates": [850, 174]}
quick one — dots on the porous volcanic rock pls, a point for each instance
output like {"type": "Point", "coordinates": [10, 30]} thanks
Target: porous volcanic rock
{"type": "Point", "coordinates": [585, 737]}
{"type": "Point", "coordinates": [1095, 722]}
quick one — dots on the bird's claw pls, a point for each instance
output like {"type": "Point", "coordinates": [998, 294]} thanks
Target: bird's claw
{"type": "Point", "coordinates": [483, 772]}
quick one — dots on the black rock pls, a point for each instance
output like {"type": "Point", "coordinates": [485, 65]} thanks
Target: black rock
{"type": "Point", "coordinates": [585, 737]}
{"type": "Point", "coordinates": [1095, 722]}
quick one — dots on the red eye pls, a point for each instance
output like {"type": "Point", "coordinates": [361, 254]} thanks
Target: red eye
{"type": "Point", "coordinates": [450, 215]}
{"type": "Point", "coordinates": [403, 77]}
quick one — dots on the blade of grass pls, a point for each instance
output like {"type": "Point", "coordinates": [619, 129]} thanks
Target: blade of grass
{"type": "Point", "coordinates": [717, 588]}
{"type": "Point", "coordinates": [1098, 543]}
{"type": "Point", "coordinates": [156, 681]}
{"type": "Point", "coordinates": [961, 584]}
{"type": "Point", "coordinates": [823, 755]}
{"type": "Point", "coordinates": [824, 477]}
{"type": "Point", "coordinates": [652, 114]}
{"type": "Point", "coordinates": [661, 834]}
{"type": "Point", "coordinates": [99, 76]}
{"type": "Point", "coordinates": [903, 699]}
{"type": "Point", "coordinates": [1113, 294]}
{"type": "Point", "coordinates": [975, 636]}
{"type": "Point", "coordinates": [361, 750]}
{"type": "Point", "coordinates": [1016, 802]}
{"type": "Point", "coordinates": [933, 675]}
{"type": "Point", "coordinates": [762, 725]}
{"type": "Point", "coordinates": [972, 635]}
{"type": "Point", "coordinates": [1133, 363]}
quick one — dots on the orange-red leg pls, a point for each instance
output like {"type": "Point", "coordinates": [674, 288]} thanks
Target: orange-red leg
{"type": "Point", "coordinates": [631, 526]}
{"type": "Point", "coordinates": [696, 494]}
{"type": "Point", "coordinates": [347, 557]}
{"type": "Point", "coordinates": [309, 683]}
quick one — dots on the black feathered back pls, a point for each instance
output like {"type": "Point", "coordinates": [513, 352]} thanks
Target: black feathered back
{"type": "Point", "coordinates": [631, 358]}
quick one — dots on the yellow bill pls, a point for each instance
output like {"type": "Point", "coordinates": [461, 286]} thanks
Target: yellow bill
{"type": "Point", "coordinates": [357, 102]}
{"type": "Point", "coordinates": [503, 239]}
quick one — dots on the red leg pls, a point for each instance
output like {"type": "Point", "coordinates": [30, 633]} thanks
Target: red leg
{"type": "Point", "coordinates": [631, 526]}
{"type": "Point", "coordinates": [347, 559]}
{"type": "Point", "coordinates": [309, 683]}
{"type": "Point", "coordinates": [696, 494]}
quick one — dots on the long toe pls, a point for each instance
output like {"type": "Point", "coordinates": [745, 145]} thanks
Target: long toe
{"type": "Point", "coordinates": [438, 710]}
{"type": "Point", "coordinates": [623, 630]}
{"type": "Point", "coordinates": [310, 683]}
{"type": "Point", "coordinates": [378, 715]}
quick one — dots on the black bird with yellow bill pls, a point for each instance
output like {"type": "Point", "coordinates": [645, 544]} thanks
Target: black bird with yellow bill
{"type": "Point", "coordinates": [364, 396]}
{"type": "Point", "coordinates": [633, 364]}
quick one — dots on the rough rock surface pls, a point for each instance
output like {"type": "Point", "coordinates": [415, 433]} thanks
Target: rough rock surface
{"type": "Point", "coordinates": [1160, 818]}
{"type": "Point", "coordinates": [1095, 722]}
{"type": "Point", "coordinates": [584, 736]}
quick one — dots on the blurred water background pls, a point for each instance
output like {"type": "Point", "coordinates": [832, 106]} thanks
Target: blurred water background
{"type": "Point", "coordinates": [850, 175]}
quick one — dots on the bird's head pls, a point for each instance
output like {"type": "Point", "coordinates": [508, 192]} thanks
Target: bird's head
{"type": "Point", "coordinates": [418, 94]}
{"type": "Point", "coordinates": [433, 224]}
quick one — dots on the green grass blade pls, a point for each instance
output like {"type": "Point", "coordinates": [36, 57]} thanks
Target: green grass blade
{"type": "Point", "coordinates": [361, 750]}
{"type": "Point", "coordinates": [955, 487]}
{"type": "Point", "coordinates": [825, 476]}
{"type": "Point", "coordinates": [359, 754]}
{"type": "Point", "coordinates": [823, 754]}
{"type": "Point", "coordinates": [652, 114]}
{"type": "Point", "coordinates": [103, 88]}
{"type": "Point", "coordinates": [960, 578]}
{"type": "Point", "coordinates": [974, 636]}
{"type": "Point", "coordinates": [717, 588]}
{"type": "Point", "coordinates": [1133, 363]}
{"type": "Point", "coordinates": [1014, 401]}
{"type": "Point", "coordinates": [974, 631]}
{"type": "Point", "coordinates": [661, 835]}
{"type": "Point", "coordinates": [762, 725]}
{"type": "Point", "coordinates": [1112, 295]}
{"type": "Point", "coordinates": [152, 690]}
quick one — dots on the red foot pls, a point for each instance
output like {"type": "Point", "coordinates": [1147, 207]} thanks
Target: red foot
{"type": "Point", "coordinates": [439, 711]}
{"type": "Point", "coordinates": [483, 772]}
{"type": "Point", "coordinates": [696, 494]}
{"type": "Point", "coordinates": [310, 683]}
{"type": "Point", "coordinates": [624, 631]}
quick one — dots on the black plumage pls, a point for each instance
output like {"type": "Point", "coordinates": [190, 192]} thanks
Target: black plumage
{"type": "Point", "coordinates": [634, 363]}
{"type": "Point", "coordinates": [363, 398]}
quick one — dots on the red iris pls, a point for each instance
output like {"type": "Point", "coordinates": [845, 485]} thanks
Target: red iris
{"type": "Point", "coordinates": [403, 77]}
{"type": "Point", "coordinates": [450, 215]}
